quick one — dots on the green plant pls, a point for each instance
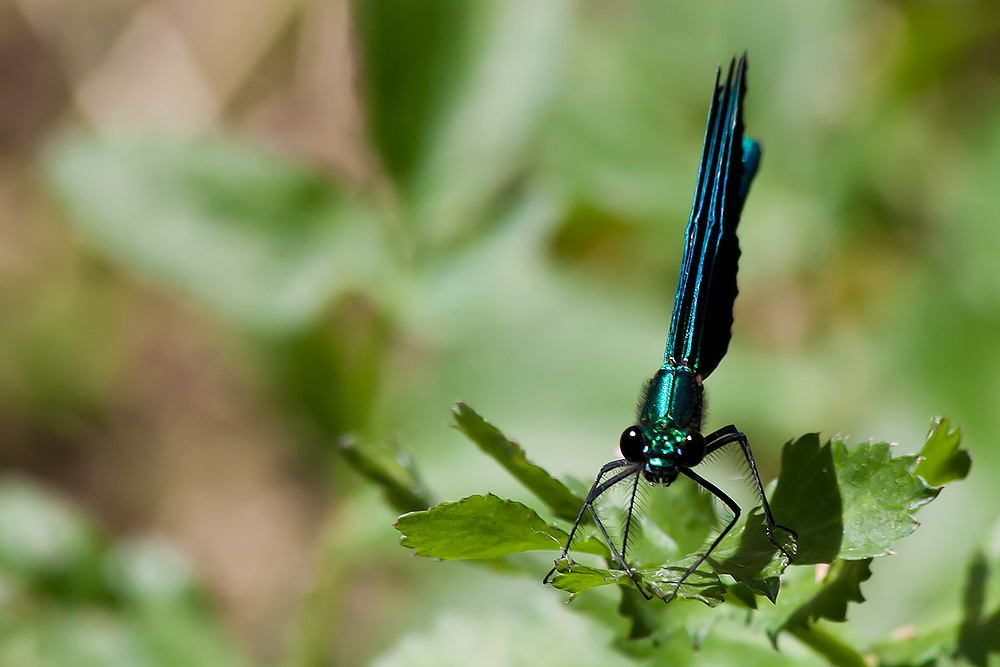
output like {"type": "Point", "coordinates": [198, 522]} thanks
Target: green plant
{"type": "Point", "coordinates": [847, 505]}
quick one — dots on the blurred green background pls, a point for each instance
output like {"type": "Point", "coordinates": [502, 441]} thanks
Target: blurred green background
{"type": "Point", "coordinates": [232, 232]}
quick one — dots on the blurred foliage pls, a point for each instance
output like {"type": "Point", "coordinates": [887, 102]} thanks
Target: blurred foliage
{"type": "Point", "coordinates": [497, 218]}
{"type": "Point", "coordinates": [71, 595]}
{"type": "Point", "coordinates": [252, 236]}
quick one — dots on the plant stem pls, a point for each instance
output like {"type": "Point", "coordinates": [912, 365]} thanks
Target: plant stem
{"type": "Point", "coordinates": [835, 651]}
{"type": "Point", "coordinates": [321, 607]}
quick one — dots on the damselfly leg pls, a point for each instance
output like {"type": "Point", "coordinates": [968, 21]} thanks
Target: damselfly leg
{"type": "Point", "coordinates": [728, 435]}
{"type": "Point", "coordinates": [622, 470]}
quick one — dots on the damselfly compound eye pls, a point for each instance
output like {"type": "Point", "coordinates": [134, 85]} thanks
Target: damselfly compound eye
{"type": "Point", "coordinates": [632, 443]}
{"type": "Point", "coordinates": [692, 450]}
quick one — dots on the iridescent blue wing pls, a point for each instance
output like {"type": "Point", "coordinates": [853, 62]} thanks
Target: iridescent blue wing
{"type": "Point", "coordinates": [702, 318]}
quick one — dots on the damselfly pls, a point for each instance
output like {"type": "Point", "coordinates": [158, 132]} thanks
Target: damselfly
{"type": "Point", "coordinates": [666, 440]}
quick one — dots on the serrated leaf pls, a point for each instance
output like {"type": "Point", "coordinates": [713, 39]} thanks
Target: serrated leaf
{"type": "Point", "coordinates": [575, 578]}
{"type": "Point", "coordinates": [480, 527]}
{"type": "Point", "coordinates": [745, 554]}
{"type": "Point", "coordinates": [264, 242]}
{"type": "Point", "coordinates": [511, 456]}
{"type": "Point", "coordinates": [702, 584]}
{"type": "Point", "coordinates": [847, 503]}
{"type": "Point", "coordinates": [668, 522]}
{"type": "Point", "coordinates": [385, 463]}
{"type": "Point", "coordinates": [879, 494]}
{"type": "Point", "coordinates": [941, 460]}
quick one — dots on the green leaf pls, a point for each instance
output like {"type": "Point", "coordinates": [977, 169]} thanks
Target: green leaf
{"type": "Point", "coordinates": [747, 555]}
{"type": "Point", "coordinates": [385, 463]}
{"type": "Point", "coordinates": [879, 494]}
{"type": "Point", "coordinates": [702, 584]}
{"type": "Point", "coordinates": [480, 527]}
{"type": "Point", "coordinates": [683, 512]}
{"type": "Point", "coordinates": [655, 537]}
{"type": "Point", "coordinates": [575, 578]}
{"type": "Point", "coordinates": [851, 503]}
{"type": "Point", "coordinates": [413, 54]}
{"type": "Point", "coordinates": [941, 461]}
{"type": "Point", "coordinates": [807, 499]}
{"type": "Point", "coordinates": [480, 146]}
{"type": "Point", "coordinates": [509, 454]}
{"type": "Point", "coordinates": [264, 242]}
{"type": "Point", "coordinates": [846, 503]}
{"type": "Point", "coordinates": [842, 584]}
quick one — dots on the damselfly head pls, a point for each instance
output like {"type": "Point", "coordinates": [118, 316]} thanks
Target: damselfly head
{"type": "Point", "coordinates": [662, 450]}
{"type": "Point", "coordinates": [668, 449]}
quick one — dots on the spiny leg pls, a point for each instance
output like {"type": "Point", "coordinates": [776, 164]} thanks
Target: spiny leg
{"type": "Point", "coordinates": [629, 514]}
{"type": "Point", "coordinates": [596, 491]}
{"type": "Point", "coordinates": [727, 435]}
{"type": "Point", "coordinates": [591, 496]}
{"type": "Point", "coordinates": [718, 493]}
{"type": "Point", "coordinates": [618, 557]}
